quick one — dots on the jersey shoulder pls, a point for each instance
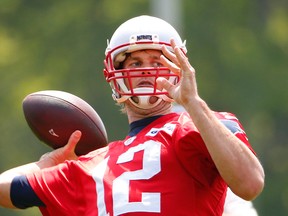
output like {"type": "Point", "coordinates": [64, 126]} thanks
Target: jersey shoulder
{"type": "Point", "coordinates": [231, 122]}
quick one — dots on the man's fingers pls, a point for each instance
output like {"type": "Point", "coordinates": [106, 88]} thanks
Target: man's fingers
{"type": "Point", "coordinates": [165, 84]}
{"type": "Point", "coordinates": [173, 67]}
{"type": "Point", "coordinates": [183, 61]}
{"type": "Point", "coordinates": [169, 55]}
{"type": "Point", "coordinates": [73, 140]}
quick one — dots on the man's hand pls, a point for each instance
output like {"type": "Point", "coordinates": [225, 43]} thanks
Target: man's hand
{"type": "Point", "coordinates": [185, 91]}
{"type": "Point", "coordinates": [48, 160]}
{"type": "Point", "coordinates": [58, 156]}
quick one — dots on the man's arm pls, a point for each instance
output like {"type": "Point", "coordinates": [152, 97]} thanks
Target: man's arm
{"type": "Point", "coordinates": [48, 160]}
{"type": "Point", "coordinates": [236, 163]}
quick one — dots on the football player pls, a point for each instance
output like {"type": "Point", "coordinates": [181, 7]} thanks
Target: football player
{"type": "Point", "coordinates": [168, 164]}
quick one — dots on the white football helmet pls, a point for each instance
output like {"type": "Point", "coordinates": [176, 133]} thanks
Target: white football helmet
{"type": "Point", "coordinates": [139, 33]}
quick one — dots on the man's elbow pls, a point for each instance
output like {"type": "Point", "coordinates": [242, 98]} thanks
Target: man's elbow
{"type": "Point", "coordinates": [5, 184]}
{"type": "Point", "coordinates": [257, 188]}
{"type": "Point", "coordinates": [252, 189]}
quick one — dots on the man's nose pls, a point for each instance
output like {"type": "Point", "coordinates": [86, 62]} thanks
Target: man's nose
{"type": "Point", "coordinates": [146, 72]}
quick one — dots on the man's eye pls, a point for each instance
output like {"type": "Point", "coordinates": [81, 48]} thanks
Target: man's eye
{"type": "Point", "coordinates": [135, 64]}
{"type": "Point", "coordinates": [157, 64]}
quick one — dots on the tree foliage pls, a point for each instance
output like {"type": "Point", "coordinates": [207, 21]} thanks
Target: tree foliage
{"type": "Point", "coordinates": [239, 50]}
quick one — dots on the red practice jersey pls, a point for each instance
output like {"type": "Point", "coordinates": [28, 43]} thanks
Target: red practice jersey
{"type": "Point", "coordinates": [163, 170]}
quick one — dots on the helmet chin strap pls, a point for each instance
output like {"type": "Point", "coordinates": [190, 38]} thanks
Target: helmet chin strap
{"type": "Point", "coordinates": [145, 101]}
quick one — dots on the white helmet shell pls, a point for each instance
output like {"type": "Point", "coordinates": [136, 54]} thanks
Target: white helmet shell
{"type": "Point", "coordinates": [139, 33]}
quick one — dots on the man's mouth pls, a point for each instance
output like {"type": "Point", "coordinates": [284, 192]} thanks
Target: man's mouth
{"type": "Point", "coordinates": [145, 84]}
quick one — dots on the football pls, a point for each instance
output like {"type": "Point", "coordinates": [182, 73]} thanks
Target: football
{"type": "Point", "coordinates": [54, 115]}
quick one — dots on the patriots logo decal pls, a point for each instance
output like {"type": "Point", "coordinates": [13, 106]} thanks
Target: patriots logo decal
{"type": "Point", "coordinates": [144, 37]}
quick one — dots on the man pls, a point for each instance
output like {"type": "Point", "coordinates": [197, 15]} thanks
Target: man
{"type": "Point", "coordinates": [169, 163]}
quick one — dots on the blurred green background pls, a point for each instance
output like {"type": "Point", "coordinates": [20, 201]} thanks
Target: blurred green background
{"type": "Point", "coordinates": [239, 50]}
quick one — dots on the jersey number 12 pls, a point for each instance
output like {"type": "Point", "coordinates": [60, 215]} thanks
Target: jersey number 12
{"type": "Point", "coordinates": [150, 202]}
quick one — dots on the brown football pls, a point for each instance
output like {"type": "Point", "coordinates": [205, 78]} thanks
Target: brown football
{"type": "Point", "coordinates": [54, 115]}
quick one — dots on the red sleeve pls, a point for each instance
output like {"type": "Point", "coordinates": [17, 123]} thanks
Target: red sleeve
{"type": "Point", "coordinates": [69, 188]}
{"type": "Point", "coordinates": [193, 153]}
{"type": "Point", "coordinates": [234, 125]}
{"type": "Point", "coordinates": [56, 187]}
